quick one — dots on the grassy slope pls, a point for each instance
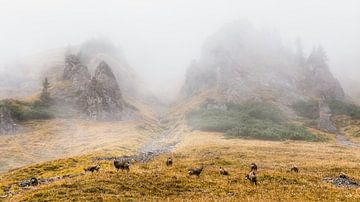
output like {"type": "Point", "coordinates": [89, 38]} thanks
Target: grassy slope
{"type": "Point", "coordinates": [155, 181]}
{"type": "Point", "coordinates": [349, 127]}
{"type": "Point", "coordinates": [59, 138]}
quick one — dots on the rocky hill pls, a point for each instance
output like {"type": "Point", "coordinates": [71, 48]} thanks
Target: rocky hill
{"type": "Point", "coordinates": [102, 97]}
{"type": "Point", "coordinates": [98, 97]}
{"type": "Point", "coordinates": [244, 63]}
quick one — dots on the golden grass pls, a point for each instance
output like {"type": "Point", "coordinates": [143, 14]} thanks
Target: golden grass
{"type": "Point", "coordinates": [155, 181]}
{"type": "Point", "coordinates": [59, 138]}
{"type": "Point", "coordinates": [349, 127]}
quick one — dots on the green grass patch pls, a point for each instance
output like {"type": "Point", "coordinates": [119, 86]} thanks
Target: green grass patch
{"type": "Point", "coordinates": [253, 120]}
{"type": "Point", "coordinates": [24, 111]}
{"type": "Point", "coordinates": [310, 109]}
{"type": "Point", "coordinates": [344, 108]}
{"type": "Point", "coordinates": [307, 109]}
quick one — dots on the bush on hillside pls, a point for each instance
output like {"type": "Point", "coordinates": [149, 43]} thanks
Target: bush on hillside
{"type": "Point", "coordinates": [248, 120]}
{"type": "Point", "coordinates": [23, 111]}
{"type": "Point", "coordinates": [344, 108]}
{"type": "Point", "coordinates": [307, 109]}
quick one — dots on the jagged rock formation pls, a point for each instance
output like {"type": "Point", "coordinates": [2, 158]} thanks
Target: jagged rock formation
{"type": "Point", "coordinates": [243, 63]}
{"type": "Point", "coordinates": [98, 97]}
{"type": "Point", "coordinates": [76, 72]}
{"type": "Point", "coordinates": [7, 124]}
{"type": "Point", "coordinates": [102, 98]}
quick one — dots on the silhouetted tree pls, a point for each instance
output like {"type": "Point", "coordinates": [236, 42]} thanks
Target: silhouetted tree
{"type": "Point", "coordinates": [318, 57]}
{"type": "Point", "coordinates": [45, 95]}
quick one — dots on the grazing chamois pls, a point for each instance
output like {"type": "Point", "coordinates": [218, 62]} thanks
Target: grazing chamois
{"type": "Point", "coordinates": [251, 177]}
{"type": "Point", "coordinates": [34, 181]}
{"type": "Point", "coordinates": [92, 168]}
{"type": "Point", "coordinates": [123, 165]}
{"type": "Point", "coordinates": [223, 171]}
{"type": "Point", "coordinates": [253, 167]}
{"type": "Point", "coordinates": [169, 162]}
{"type": "Point", "coordinates": [294, 169]}
{"type": "Point", "coordinates": [196, 171]}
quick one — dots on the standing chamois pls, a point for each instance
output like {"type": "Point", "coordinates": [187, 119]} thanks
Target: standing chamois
{"type": "Point", "coordinates": [122, 165]}
{"type": "Point", "coordinates": [169, 162]}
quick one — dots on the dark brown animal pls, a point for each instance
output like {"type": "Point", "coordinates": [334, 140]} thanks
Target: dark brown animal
{"type": "Point", "coordinates": [251, 177]}
{"type": "Point", "coordinates": [223, 171]}
{"type": "Point", "coordinates": [169, 162]}
{"type": "Point", "coordinates": [92, 168]}
{"type": "Point", "coordinates": [34, 181]}
{"type": "Point", "coordinates": [294, 169]}
{"type": "Point", "coordinates": [253, 167]}
{"type": "Point", "coordinates": [196, 171]}
{"type": "Point", "coordinates": [122, 165]}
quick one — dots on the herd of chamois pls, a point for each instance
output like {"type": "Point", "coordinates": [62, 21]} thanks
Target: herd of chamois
{"type": "Point", "coordinates": [125, 166]}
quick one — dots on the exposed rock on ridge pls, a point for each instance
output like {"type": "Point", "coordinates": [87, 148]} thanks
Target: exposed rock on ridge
{"type": "Point", "coordinates": [74, 71]}
{"type": "Point", "coordinates": [102, 98]}
{"type": "Point", "coordinates": [244, 63]}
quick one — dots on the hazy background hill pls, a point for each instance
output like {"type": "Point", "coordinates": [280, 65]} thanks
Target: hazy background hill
{"type": "Point", "coordinates": [245, 63]}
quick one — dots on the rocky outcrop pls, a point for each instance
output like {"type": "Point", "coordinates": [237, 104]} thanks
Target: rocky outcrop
{"type": "Point", "coordinates": [243, 63]}
{"type": "Point", "coordinates": [98, 97]}
{"type": "Point", "coordinates": [7, 124]}
{"type": "Point", "coordinates": [74, 71]}
{"type": "Point", "coordinates": [102, 99]}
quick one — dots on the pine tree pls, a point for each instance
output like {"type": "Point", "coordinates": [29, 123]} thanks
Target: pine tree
{"type": "Point", "coordinates": [45, 95]}
{"type": "Point", "coordinates": [318, 57]}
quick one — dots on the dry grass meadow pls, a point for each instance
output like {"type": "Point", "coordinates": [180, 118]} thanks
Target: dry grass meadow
{"type": "Point", "coordinates": [154, 181]}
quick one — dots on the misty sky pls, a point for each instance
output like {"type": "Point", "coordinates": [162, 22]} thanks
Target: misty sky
{"type": "Point", "coordinates": [160, 37]}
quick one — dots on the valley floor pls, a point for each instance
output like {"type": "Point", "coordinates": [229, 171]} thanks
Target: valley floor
{"type": "Point", "coordinates": [155, 181]}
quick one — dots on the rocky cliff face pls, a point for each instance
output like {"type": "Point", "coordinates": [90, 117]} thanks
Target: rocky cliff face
{"type": "Point", "coordinates": [102, 98]}
{"type": "Point", "coordinates": [244, 63]}
{"type": "Point", "coordinates": [76, 72]}
{"type": "Point", "coordinates": [7, 124]}
{"type": "Point", "coordinates": [98, 97]}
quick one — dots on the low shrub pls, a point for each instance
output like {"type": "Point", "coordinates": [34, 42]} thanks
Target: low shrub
{"type": "Point", "coordinates": [23, 111]}
{"type": "Point", "coordinates": [307, 109]}
{"type": "Point", "coordinates": [343, 108]}
{"type": "Point", "coordinates": [255, 120]}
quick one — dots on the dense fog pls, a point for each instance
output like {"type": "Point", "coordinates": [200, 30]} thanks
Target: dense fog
{"type": "Point", "coordinates": [159, 38]}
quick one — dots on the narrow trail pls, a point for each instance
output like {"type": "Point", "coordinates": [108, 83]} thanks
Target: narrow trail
{"type": "Point", "coordinates": [326, 124]}
{"type": "Point", "coordinates": [341, 139]}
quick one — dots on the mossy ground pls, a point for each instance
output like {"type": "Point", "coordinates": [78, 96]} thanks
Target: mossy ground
{"type": "Point", "coordinates": [155, 181]}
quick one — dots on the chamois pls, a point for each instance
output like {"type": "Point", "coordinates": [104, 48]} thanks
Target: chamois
{"type": "Point", "coordinates": [196, 171]}
{"type": "Point", "coordinates": [123, 165]}
{"type": "Point", "coordinates": [169, 162]}
{"type": "Point", "coordinates": [223, 171]}
{"type": "Point", "coordinates": [251, 177]}
{"type": "Point", "coordinates": [34, 181]}
{"type": "Point", "coordinates": [294, 169]}
{"type": "Point", "coordinates": [92, 168]}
